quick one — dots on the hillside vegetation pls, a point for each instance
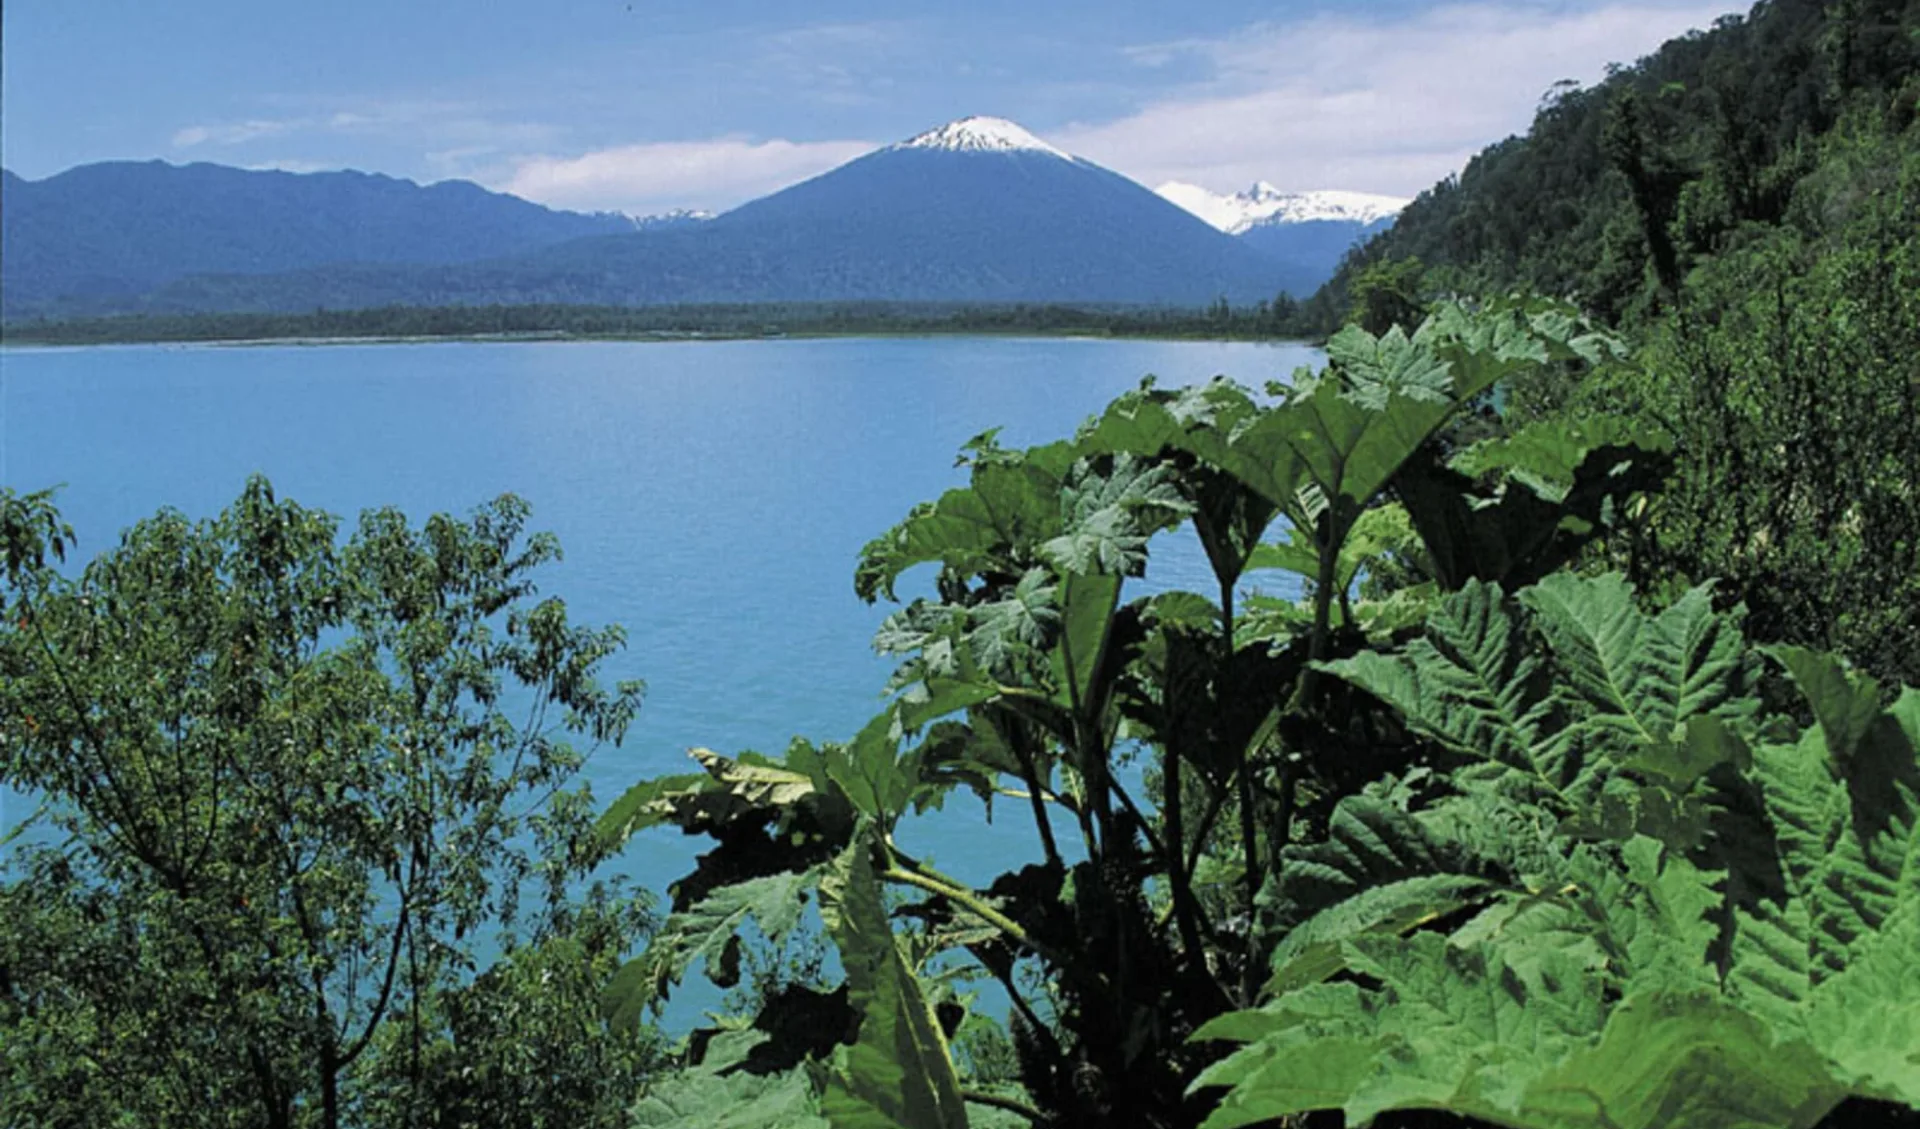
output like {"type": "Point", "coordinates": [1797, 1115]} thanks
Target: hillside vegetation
{"type": "Point", "coordinates": [1746, 204]}
{"type": "Point", "coordinates": [1620, 190]}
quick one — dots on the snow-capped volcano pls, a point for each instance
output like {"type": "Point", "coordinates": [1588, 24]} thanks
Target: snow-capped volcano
{"type": "Point", "coordinates": [976, 210]}
{"type": "Point", "coordinates": [1263, 203]}
{"type": "Point", "coordinates": [980, 135]}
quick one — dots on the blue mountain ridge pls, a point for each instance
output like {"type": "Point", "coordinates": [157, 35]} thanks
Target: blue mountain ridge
{"type": "Point", "coordinates": [1314, 246]}
{"type": "Point", "coordinates": [106, 233]}
{"type": "Point", "coordinates": [907, 223]}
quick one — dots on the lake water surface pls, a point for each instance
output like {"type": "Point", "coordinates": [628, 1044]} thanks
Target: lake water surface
{"type": "Point", "coordinates": [710, 496]}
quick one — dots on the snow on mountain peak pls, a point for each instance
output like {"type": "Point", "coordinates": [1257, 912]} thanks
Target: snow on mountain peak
{"type": "Point", "coordinates": [674, 218]}
{"type": "Point", "coordinates": [1263, 203]}
{"type": "Point", "coordinates": [980, 135]}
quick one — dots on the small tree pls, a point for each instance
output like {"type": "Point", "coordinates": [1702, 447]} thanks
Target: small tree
{"type": "Point", "coordinates": [1386, 294]}
{"type": "Point", "coordinates": [296, 784]}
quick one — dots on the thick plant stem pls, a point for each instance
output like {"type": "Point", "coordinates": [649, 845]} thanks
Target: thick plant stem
{"type": "Point", "coordinates": [911, 872]}
{"type": "Point", "coordinates": [1283, 823]}
{"type": "Point", "coordinates": [1243, 794]}
{"type": "Point", "coordinates": [1030, 774]}
{"type": "Point", "coordinates": [1323, 596]}
{"type": "Point", "coordinates": [329, 1088]}
{"type": "Point", "coordinates": [1176, 859]}
{"type": "Point", "coordinates": [1092, 797]}
{"type": "Point", "coordinates": [1090, 755]}
{"type": "Point", "coordinates": [1250, 845]}
{"type": "Point", "coordinates": [1226, 615]}
{"type": "Point", "coordinates": [974, 904]}
{"type": "Point", "coordinates": [980, 1097]}
{"type": "Point", "coordinates": [1004, 974]}
{"type": "Point", "coordinates": [1303, 690]}
{"type": "Point", "coordinates": [1201, 833]}
{"type": "Point", "coordinates": [1179, 879]}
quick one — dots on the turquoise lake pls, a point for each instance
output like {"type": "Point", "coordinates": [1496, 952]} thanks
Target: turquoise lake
{"type": "Point", "coordinates": [710, 496]}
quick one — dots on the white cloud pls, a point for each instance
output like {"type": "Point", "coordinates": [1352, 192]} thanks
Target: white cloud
{"type": "Point", "coordinates": [467, 128]}
{"type": "Point", "coordinates": [230, 133]}
{"type": "Point", "coordinates": [659, 176]}
{"type": "Point", "coordinates": [837, 64]}
{"type": "Point", "coordinates": [1369, 105]}
{"type": "Point", "coordinates": [291, 165]}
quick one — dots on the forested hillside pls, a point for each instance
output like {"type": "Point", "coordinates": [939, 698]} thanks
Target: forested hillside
{"type": "Point", "coordinates": [1620, 189]}
{"type": "Point", "coordinates": [1746, 203]}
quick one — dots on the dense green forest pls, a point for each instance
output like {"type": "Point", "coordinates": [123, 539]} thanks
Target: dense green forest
{"type": "Point", "coordinates": [1278, 318]}
{"type": "Point", "coordinates": [1745, 205]}
{"type": "Point", "coordinates": [1578, 786]}
{"type": "Point", "coordinates": [1796, 116]}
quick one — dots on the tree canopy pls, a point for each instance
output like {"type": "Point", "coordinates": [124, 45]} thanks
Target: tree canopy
{"type": "Point", "coordinates": [293, 789]}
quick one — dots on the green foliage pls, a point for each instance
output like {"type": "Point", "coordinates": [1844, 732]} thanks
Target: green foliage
{"type": "Point", "coordinates": [897, 1073]}
{"type": "Point", "coordinates": [1748, 199]}
{"type": "Point", "coordinates": [723, 1090]}
{"type": "Point", "coordinates": [1512, 509]}
{"type": "Point", "coordinates": [1454, 829]}
{"type": "Point", "coordinates": [732, 1101]}
{"type": "Point", "coordinates": [1692, 915]}
{"type": "Point", "coordinates": [709, 931]}
{"type": "Point", "coordinates": [1387, 293]}
{"type": "Point", "coordinates": [1030, 677]}
{"type": "Point", "coordinates": [519, 1045]}
{"type": "Point", "coordinates": [285, 805]}
{"type": "Point", "coordinates": [1786, 381]}
{"type": "Point", "coordinates": [1620, 189]}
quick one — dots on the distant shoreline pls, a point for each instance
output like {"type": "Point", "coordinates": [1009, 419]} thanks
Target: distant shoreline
{"type": "Point", "coordinates": [13, 341]}
{"type": "Point", "coordinates": [426, 325]}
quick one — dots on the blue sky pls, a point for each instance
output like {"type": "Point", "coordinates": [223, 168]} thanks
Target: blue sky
{"type": "Point", "coordinates": [645, 106]}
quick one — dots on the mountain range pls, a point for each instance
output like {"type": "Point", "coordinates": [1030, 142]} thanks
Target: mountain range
{"type": "Point", "coordinates": [107, 233]}
{"type": "Point", "coordinates": [978, 211]}
{"type": "Point", "coordinates": [1313, 230]}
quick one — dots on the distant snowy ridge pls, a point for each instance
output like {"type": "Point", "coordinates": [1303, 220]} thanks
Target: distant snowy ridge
{"type": "Point", "coordinates": [679, 217]}
{"type": "Point", "coordinates": [980, 135]}
{"type": "Point", "coordinates": [1265, 204]}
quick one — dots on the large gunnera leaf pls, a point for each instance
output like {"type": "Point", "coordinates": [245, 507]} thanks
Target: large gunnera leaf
{"type": "Point", "coordinates": [1533, 1046]}
{"type": "Point", "coordinates": [1613, 690]}
{"type": "Point", "coordinates": [1839, 955]}
{"type": "Point", "coordinates": [1747, 955]}
{"type": "Point", "coordinates": [1013, 501]}
{"type": "Point", "coordinates": [1644, 675]}
{"type": "Point", "coordinates": [703, 1100]}
{"type": "Point", "coordinates": [898, 1074]}
{"type": "Point", "coordinates": [1379, 871]}
{"type": "Point", "coordinates": [709, 930]}
{"type": "Point", "coordinates": [1476, 685]}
